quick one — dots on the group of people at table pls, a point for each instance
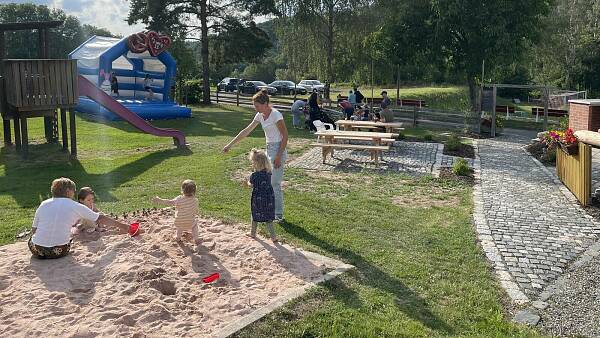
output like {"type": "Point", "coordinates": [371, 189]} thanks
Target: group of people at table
{"type": "Point", "coordinates": [352, 107]}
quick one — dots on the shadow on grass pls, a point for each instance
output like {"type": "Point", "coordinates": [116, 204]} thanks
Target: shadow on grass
{"type": "Point", "coordinates": [406, 300]}
{"type": "Point", "coordinates": [28, 181]}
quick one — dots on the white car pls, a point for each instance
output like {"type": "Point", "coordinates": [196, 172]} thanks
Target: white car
{"type": "Point", "coordinates": [311, 84]}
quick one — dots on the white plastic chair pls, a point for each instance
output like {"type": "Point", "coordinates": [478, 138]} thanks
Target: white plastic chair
{"type": "Point", "coordinates": [321, 126]}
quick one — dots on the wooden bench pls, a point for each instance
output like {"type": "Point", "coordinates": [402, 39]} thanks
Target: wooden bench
{"type": "Point", "coordinates": [551, 112]}
{"type": "Point", "coordinates": [374, 150]}
{"type": "Point", "coordinates": [505, 109]}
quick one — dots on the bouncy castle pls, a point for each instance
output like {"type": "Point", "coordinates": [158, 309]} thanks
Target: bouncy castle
{"type": "Point", "coordinates": [144, 72]}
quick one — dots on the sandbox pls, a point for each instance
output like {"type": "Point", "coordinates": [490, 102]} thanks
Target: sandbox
{"type": "Point", "coordinates": [150, 285]}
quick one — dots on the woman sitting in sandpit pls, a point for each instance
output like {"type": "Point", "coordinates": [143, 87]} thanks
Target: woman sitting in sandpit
{"type": "Point", "coordinates": [51, 229]}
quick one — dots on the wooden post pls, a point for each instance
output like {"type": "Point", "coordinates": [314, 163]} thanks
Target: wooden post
{"type": "Point", "coordinates": [63, 125]}
{"type": "Point", "coordinates": [24, 137]}
{"type": "Point", "coordinates": [493, 129]}
{"type": "Point", "coordinates": [216, 91]}
{"type": "Point", "coordinates": [546, 97]}
{"type": "Point", "coordinates": [73, 134]}
{"type": "Point", "coordinates": [415, 116]}
{"type": "Point", "coordinates": [237, 98]}
{"type": "Point", "coordinates": [17, 133]}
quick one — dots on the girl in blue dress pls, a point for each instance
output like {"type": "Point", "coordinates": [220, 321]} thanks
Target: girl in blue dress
{"type": "Point", "coordinates": [262, 202]}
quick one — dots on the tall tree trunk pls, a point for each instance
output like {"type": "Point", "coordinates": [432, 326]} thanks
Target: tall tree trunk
{"type": "Point", "coordinates": [330, 46]}
{"type": "Point", "coordinates": [204, 52]}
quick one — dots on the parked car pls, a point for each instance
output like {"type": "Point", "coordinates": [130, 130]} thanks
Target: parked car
{"type": "Point", "coordinates": [287, 87]}
{"type": "Point", "coordinates": [251, 87]}
{"type": "Point", "coordinates": [312, 84]}
{"type": "Point", "coordinates": [228, 84]}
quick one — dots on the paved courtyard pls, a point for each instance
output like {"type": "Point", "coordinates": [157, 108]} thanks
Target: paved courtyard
{"type": "Point", "coordinates": [527, 225]}
{"type": "Point", "coordinates": [410, 157]}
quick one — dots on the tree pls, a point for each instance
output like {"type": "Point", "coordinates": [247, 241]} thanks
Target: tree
{"type": "Point", "coordinates": [209, 17]}
{"type": "Point", "coordinates": [63, 39]}
{"type": "Point", "coordinates": [322, 19]}
{"type": "Point", "coordinates": [90, 30]}
{"type": "Point", "coordinates": [457, 35]}
{"type": "Point", "coordinates": [470, 31]}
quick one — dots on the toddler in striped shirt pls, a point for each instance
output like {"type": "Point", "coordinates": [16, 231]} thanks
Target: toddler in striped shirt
{"type": "Point", "coordinates": [186, 207]}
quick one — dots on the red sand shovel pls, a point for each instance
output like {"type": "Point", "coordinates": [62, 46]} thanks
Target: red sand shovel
{"type": "Point", "coordinates": [134, 229]}
{"type": "Point", "coordinates": [211, 278]}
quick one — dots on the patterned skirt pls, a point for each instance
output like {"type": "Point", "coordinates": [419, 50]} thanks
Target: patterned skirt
{"type": "Point", "coordinates": [49, 253]}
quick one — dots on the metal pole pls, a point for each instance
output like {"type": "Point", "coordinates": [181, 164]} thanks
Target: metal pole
{"type": "Point", "coordinates": [372, 84]}
{"type": "Point", "coordinates": [493, 129]}
{"type": "Point", "coordinates": [398, 87]}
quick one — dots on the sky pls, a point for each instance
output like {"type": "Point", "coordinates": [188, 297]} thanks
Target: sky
{"type": "Point", "coordinates": [109, 14]}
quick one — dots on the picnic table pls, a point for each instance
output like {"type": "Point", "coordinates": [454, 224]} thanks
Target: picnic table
{"type": "Point", "coordinates": [329, 140]}
{"type": "Point", "coordinates": [349, 125]}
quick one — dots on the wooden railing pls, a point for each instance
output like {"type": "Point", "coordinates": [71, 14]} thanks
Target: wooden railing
{"type": "Point", "coordinates": [575, 171]}
{"type": "Point", "coordinates": [40, 84]}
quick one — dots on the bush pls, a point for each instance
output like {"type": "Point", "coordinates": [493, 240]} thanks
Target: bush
{"type": "Point", "coordinates": [453, 143]}
{"type": "Point", "coordinates": [461, 167]}
{"type": "Point", "coordinates": [550, 155]}
{"type": "Point", "coordinates": [563, 124]}
{"type": "Point", "coordinates": [428, 137]}
{"type": "Point", "coordinates": [401, 136]}
{"type": "Point", "coordinates": [192, 91]}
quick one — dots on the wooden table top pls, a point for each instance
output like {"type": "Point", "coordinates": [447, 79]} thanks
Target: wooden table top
{"type": "Point", "coordinates": [359, 134]}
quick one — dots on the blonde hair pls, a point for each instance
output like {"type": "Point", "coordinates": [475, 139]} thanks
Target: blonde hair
{"type": "Point", "coordinates": [188, 187]}
{"type": "Point", "coordinates": [259, 160]}
{"type": "Point", "coordinates": [61, 186]}
{"type": "Point", "coordinates": [261, 97]}
{"type": "Point", "coordinates": [85, 192]}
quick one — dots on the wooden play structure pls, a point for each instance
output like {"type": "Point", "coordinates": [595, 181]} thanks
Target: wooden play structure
{"type": "Point", "coordinates": [37, 88]}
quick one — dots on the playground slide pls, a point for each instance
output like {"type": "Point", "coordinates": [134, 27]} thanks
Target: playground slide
{"type": "Point", "coordinates": [86, 88]}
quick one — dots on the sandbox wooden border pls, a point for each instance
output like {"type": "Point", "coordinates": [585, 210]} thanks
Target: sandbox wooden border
{"type": "Point", "coordinates": [340, 267]}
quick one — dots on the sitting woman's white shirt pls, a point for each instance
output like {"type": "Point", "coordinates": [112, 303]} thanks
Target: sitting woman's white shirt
{"type": "Point", "coordinates": [55, 217]}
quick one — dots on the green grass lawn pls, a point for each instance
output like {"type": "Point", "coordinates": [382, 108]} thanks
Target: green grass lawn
{"type": "Point", "coordinates": [418, 269]}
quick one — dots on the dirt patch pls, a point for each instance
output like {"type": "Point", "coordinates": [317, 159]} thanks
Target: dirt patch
{"type": "Point", "coordinates": [447, 173]}
{"type": "Point", "coordinates": [540, 152]}
{"type": "Point", "coordinates": [424, 201]}
{"type": "Point", "coordinates": [464, 151]}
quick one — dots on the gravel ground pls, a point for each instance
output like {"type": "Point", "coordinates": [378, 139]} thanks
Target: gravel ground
{"type": "Point", "coordinates": [575, 309]}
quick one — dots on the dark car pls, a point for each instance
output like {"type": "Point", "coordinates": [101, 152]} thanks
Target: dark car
{"type": "Point", "coordinates": [251, 87]}
{"type": "Point", "coordinates": [228, 84]}
{"type": "Point", "coordinates": [287, 87]}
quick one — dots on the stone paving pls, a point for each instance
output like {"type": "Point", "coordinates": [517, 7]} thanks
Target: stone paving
{"type": "Point", "coordinates": [528, 225]}
{"type": "Point", "coordinates": [410, 157]}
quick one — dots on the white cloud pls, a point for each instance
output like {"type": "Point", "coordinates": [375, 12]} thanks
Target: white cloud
{"type": "Point", "coordinates": [109, 14]}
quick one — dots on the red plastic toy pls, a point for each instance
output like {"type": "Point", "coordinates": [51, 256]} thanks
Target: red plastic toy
{"type": "Point", "coordinates": [134, 229]}
{"type": "Point", "coordinates": [211, 278]}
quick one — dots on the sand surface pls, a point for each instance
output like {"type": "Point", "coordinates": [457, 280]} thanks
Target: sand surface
{"type": "Point", "coordinates": [150, 285]}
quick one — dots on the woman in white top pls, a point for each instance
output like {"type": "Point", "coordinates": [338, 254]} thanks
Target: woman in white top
{"type": "Point", "coordinates": [276, 135]}
{"type": "Point", "coordinates": [51, 229]}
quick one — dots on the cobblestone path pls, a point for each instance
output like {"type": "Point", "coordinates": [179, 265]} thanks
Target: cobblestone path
{"type": "Point", "coordinates": [527, 226]}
